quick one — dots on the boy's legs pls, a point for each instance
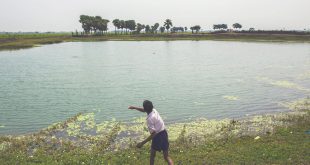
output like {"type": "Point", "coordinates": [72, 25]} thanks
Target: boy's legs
{"type": "Point", "coordinates": [152, 157]}
{"type": "Point", "coordinates": [167, 158]}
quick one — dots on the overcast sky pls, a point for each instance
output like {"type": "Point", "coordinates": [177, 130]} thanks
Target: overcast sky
{"type": "Point", "coordinates": [63, 15]}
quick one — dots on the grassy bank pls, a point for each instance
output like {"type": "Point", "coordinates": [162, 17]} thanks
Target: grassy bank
{"type": "Point", "coordinates": [268, 139]}
{"type": "Point", "coordinates": [11, 42]}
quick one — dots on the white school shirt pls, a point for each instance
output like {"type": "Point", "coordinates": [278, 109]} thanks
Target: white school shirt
{"type": "Point", "coordinates": [154, 122]}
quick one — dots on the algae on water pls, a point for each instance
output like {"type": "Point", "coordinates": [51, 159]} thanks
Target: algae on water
{"type": "Point", "coordinates": [298, 105]}
{"type": "Point", "coordinates": [305, 75]}
{"type": "Point", "coordinates": [83, 132]}
{"type": "Point", "coordinates": [282, 83]}
{"type": "Point", "coordinates": [287, 84]}
{"type": "Point", "coordinates": [233, 98]}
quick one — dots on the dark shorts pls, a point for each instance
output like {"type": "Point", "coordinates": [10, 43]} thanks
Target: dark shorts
{"type": "Point", "coordinates": [160, 141]}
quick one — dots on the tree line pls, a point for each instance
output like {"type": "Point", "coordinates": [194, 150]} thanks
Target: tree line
{"type": "Point", "coordinates": [224, 26]}
{"type": "Point", "coordinates": [93, 24]}
{"type": "Point", "coordinates": [98, 25]}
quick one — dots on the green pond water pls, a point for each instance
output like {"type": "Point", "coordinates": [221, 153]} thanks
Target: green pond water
{"type": "Point", "coordinates": [185, 80]}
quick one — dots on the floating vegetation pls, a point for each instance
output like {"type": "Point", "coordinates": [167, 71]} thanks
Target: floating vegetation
{"type": "Point", "coordinates": [81, 133]}
{"type": "Point", "coordinates": [233, 98]}
{"type": "Point", "coordinates": [305, 75]}
{"type": "Point", "coordinates": [198, 103]}
{"type": "Point", "coordinates": [287, 84]}
{"type": "Point", "coordinates": [1, 126]}
{"type": "Point", "coordinates": [197, 131]}
{"type": "Point", "coordinates": [298, 105]}
{"type": "Point", "coordinates": [282, 83]}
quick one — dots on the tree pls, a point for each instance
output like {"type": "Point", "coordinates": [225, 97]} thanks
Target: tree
{"type": "Point", "coordinates": [140, 27]}
{"type": "Point", "coordinates": [102, 25]}
{"type": "Point", "coordinates": [195, 28]}
{"type": "Point", "coordinates": [162, 29]}
{"type": "Point", "coordinates": [224, 26]}
{"type": "Point", "coordinates": [122, 24]}
{"type": "Point", "coordinates": [97, 23]}
{"type": "Point", "coordinates": [237, 26]}
{"type": "Point", "coordinates": [215, 27]}
{"type": "Point", "coordinates": [168, 24]}
{"type": "Point", "coordinates": [185, 28]}
{"type": "Point", "coordinates": [90, 23]}
{"type": "Point", "coordinates": [130, 25]}
{"type": "Point", "coordinates": [85, 20]}
{"type": "Point", "coordinates": [154, 28]}
{"type": "Point", "coordinates": [192, 29]}
{"type": "Point", "coordinates": [147, 28]}
{"type": "Point", "coordinates": [93, 24]}
{"type": "Point", "coordinates": [177, 29]}
{"type": "Point", "coordinates": [116, 23]}
{"type": "Point", "coordinates": [220, 26]}
{"type": "Point", "coordinates": [126, 26]}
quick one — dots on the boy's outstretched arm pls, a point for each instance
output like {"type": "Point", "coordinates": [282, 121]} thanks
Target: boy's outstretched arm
{"type": "Point", "coordinates": [136, 108]}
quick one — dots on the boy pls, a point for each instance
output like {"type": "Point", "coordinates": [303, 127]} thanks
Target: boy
{"type": "Point", "coordinates": [158, 135]}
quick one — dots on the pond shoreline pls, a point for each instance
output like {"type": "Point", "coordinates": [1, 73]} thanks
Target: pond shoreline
{"type": "Point", "coordinates": [114, 142]}
{"type": "Point", "coordinates": [28, 41]}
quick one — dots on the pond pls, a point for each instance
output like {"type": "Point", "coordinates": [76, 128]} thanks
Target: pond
{"type": "Point", "coordinates": [185, 80]}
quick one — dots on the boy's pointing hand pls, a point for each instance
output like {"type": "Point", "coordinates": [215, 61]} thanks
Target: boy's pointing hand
{"type": "Point", "coordinates": [131, 107]}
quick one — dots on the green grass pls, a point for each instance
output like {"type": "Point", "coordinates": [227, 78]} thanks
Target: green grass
{"type": "Point", "coordinates": [287, 145]}
{"type": "Point", "coordinates": [32, 35]}
{"type": "Point", "coordinates": [283, 147]}
{"type": "Point", "coordinates": [19, 41]}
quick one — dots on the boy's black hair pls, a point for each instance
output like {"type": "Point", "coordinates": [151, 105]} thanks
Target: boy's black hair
{"type": "Point", "coordinates": [148, 106]}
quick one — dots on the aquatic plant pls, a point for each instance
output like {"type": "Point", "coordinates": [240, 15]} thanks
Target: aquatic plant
{"type": "Point", "coordinates": [282, 83]}
{"type": "Point", "coordinates": [234, 98]}
{"type": "Point", "coordinates": [297, 105]}
{"type": "Point", "coordinates": [305, 75]}
{"type": "Point", "coordinates": [80, 134]}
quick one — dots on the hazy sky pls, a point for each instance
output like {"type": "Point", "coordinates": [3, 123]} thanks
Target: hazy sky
{"type": "Point", "coordinates": [63, 15]}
